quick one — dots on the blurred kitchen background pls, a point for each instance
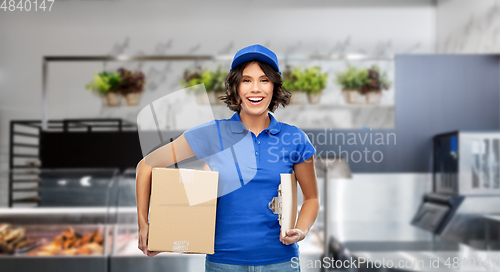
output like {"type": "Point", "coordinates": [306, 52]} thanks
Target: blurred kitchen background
{"type": "Point", "coordinates": [429, 188]}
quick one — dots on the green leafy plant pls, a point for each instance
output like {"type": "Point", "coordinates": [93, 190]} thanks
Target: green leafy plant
{"type": "Point", "coordinates": [198, 76]}
{"type": "Point", "coordinates": [312, 80]}
{"type": "Point", "coordinates": [131, 82]}
{"type": "Point", "coordinates": [290, 78]}
{"type": "Point", "coordinates": [215, 81]}
{"type": "Point", "coordinates": [352, 78]}
{"type": "Point", "coordinates": [104, 82]}
{"type": "Point", "coordinates": [207, 78]}
{"type": "Point", "coordinates": [309, 80]}
{"type": "Point", "coordinates": [376, 80]}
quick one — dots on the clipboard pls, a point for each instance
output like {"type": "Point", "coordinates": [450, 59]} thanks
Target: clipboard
{"type": "Point", "coordinates": [285, 204]}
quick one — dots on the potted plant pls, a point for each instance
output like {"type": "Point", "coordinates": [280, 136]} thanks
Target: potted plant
{"type": "Point", "coordinates": [351, 81]}
{"type": "Point", "coordinates": [313, 82]}
{"type": "Point", "coordinates": [105, 84]}
{"type": "Point", "coordinates": [219, 84]}
{"type": "Point", "coordinates": [192, 78]}
{"type": "Point", "coordinates": [131, 85]}
{"type": "Point", "coordinates": [292, 79]}
{"type": "Point", "coordinates": [377, 81]}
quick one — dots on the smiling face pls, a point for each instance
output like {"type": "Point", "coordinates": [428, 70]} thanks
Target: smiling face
{"type": "Point", "coordinates": [255, 90]}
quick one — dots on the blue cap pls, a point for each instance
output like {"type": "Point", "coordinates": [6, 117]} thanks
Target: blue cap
{"type": "Point", "coordinates": [257, 52]}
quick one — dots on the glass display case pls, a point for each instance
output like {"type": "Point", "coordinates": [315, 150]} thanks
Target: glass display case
{"type": "Point", "coordinates": [71, 228]}
{"type": "Point", "coordinates": [125, 227]}
{"type": "Point", "coordinates": [84, 220]}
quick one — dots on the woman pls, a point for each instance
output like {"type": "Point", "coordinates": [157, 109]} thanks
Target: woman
{"type": "Point", "coordinates": [247, 231]}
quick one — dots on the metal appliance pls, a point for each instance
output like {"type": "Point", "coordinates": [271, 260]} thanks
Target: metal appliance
{"type": "Point", "coordinates": [466, 186]}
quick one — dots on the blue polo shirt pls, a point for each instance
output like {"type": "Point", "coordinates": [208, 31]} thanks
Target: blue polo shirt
{"type": "Point", "coordinates": [246, 230]}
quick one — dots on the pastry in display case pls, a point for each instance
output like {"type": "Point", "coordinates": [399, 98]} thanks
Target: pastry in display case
{"type": "Point", "coordinates": [71, 242]}
{"type": "Point", "coordinates": [71, 226]}
{"type": "Point", "coordinates": [13, 239]}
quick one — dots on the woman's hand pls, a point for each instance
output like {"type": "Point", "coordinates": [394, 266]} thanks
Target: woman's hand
{"type": "Point", "coordinates": [292, 236]}
{"type": "Point", "coordinates": [143, 241]}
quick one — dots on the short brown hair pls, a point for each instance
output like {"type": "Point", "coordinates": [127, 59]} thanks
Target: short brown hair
{"type": "Point", "coordinates": [233, 80]}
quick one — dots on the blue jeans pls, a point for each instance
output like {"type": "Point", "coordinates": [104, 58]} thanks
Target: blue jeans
{"type": "Point", "coordinates": [278, 267]}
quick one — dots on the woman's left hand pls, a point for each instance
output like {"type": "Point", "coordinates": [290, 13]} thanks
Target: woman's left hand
{"type": "Point", "coordinates": [292, 236]}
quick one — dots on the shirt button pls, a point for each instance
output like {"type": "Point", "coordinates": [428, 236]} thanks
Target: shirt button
{"type": "Point", "coordinates": [256, 153]}
{"type": "Point", "coordinates": [258, 142]}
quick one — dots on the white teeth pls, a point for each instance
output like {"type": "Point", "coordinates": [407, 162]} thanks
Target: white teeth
{"type": "Point", "coordinates": [255, 99]}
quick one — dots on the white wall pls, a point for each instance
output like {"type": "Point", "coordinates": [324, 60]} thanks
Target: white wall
{"type": "Point", "coordinates": [464, 26]}
{"type": "Point", "coordinates": [471, 27]}
{"type": "Point", "coordinates": [187, 27]}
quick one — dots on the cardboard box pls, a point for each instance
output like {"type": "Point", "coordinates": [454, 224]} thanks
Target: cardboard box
{"type": "Point", "coordinates": [182, 211]}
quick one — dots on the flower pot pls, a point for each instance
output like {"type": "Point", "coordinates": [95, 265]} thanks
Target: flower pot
{"type": "Point", "coordinates": [202, 98]}
{"type": "Point", "coordinates": [113, 99]}
{"type": "Point", "coordinates": [133, 98]}
{"type": "Point", "coordinates": [298, 98]}
{"type": "Point", "coordinates": [353, 97]}
{"type": "Point", "coordinates": [217, 100]}
{"type": "Point", "coordinates": [314, 98]}
{"type": "Point", "coordinates": [373, 97]}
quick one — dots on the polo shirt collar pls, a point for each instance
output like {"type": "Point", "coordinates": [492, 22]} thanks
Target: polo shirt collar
{"type": "Point", "coordinates": [238, 127]}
